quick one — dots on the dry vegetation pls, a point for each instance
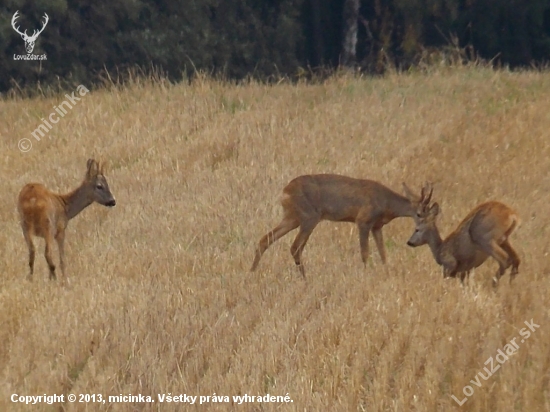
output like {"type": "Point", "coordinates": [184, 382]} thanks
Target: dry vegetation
{"type": "Point", "coordinates": [161, 300]}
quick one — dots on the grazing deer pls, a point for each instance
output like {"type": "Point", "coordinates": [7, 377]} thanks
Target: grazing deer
{"type": "Point", "coordinates": [484, 232]}
{"type": "Point", "coordinates": [309, 199]}
{"type": "Point", "coordinates": [46, 214]}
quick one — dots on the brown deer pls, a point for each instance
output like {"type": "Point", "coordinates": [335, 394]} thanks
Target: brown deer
{"type": "Point", "coordinates": [484, 232]}
{"type": "Point", "coordinates": [46, 214]}
{"type": "Point", "coordinates": [309, 199]}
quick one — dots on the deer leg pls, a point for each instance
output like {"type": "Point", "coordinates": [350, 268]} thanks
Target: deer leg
{"type": "Point", "coordinates": [513, 257]}
{"type": "Point", "coordinates": [379, 239]}
{"type": "Point", "coordinates": [449, 273]}
{"type": "Point", "coordinates": [286, 225]}
{"type": "Point", "coordinates": [48, 254]}
{"type": "Point", "coordinates": [364, 230]}
{"type": "Point", "coordinates": [450, 267]}
{"type": "Point", "coordinates": [60, 238]}
{"type": "Point", "coordinates": [300, 242]}
{"type": "Point", "coordinates": [465, 276]}
{"type": "Point", "coordinates": [500, 255]}
{"type": "Point", "coordinates": [30, 245]}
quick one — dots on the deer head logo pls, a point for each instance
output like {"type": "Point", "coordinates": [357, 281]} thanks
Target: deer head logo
{"type": "Point", "coordinates": [29, 40]}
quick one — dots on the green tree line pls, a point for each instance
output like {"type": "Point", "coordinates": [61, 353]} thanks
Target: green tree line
{"type": "Point", "coordinates": [261, 38]}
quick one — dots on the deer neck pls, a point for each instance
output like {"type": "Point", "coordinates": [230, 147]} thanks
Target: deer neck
{"type": "Point", "coordinates": [77, 200]}
{"type": "Point", "coordinates": [400, 206]}
{"type": "Point", "coordinates": [436, 243]}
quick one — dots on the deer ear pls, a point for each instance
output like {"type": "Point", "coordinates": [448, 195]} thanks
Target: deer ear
{"type": "Point", "coordinates": [92, 168]}
{"type": "Point", "coordinates": [434, 210]}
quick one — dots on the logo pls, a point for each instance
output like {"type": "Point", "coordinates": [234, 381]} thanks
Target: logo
{"type": "Point", "coordinates": [29, 40]}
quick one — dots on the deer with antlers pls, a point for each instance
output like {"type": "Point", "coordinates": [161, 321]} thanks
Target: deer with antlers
{"type": "Point", "coordinates": [46, 214]}
{"type": "Point", "coordinates": [484, 232]}
{"type": "Point", "coordinates": [309, 199]}
{"type": "Point", "coordinates": [29, 40]}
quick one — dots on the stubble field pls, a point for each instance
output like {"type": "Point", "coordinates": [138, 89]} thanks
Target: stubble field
{"type": "Point", "coordinates": [161, 300]}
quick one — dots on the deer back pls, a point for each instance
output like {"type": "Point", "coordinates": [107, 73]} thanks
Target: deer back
{"type": "Point", "coordinates": [38, 207]}
{"type": "Point", "coordinates": [487, 222]}
{"type": "Point", "coordinates": [342, 198]}
{"type": "Point", "coordinates": [493, 221]}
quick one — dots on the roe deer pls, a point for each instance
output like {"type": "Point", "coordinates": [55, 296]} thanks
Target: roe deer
{"type": "Point", "coordinates": [484, 232]}
{"type": "Point", "coordinates": [308, 199]}
{"type": "Point", "coordinates": [46, 214]}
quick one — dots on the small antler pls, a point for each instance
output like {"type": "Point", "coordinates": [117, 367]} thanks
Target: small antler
{"type": "Point", "coordinates": [426, 195]}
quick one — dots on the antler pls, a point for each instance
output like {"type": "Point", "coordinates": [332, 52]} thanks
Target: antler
{"type": "Point", "coordinates": [13, 19]}
{"type": "Point", "coordinates": [37, 32]}
{"type": "Point", "coordinates": [425, 199]}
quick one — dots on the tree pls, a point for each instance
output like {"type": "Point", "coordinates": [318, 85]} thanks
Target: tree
{"type": "Point", "coordinates": [349, 44]}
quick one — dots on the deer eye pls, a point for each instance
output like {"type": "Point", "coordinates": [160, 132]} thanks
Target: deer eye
{"type": "Point", "coordinates": [99, 186]}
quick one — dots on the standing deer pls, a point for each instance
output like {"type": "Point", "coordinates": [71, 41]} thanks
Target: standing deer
{"type": "Point", "coordinates": [484, 232]}
{"type": "Point", "coordinates": [309, 199]}
{"type": "Point", "coordinates": [46, 214]}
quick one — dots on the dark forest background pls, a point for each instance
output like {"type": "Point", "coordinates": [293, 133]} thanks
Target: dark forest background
{"type": "Point", "coordinates": [265, 39]}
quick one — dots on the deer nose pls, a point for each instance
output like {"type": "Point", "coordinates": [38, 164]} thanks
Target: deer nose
{"type": "Point", "coordinates": [111, 203]}
{"type": "Point", "coordinates": [411, 244]}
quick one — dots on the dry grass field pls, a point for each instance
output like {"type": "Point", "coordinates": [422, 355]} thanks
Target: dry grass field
{"type": "Point", "coordinates": [161, 300]}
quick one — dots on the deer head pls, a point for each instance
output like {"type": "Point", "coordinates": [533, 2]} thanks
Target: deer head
{"type": "Point", "coordinates": [95, 179]}
{"type": "Point", "coordinates": [425, 224]}
{"type": "Point", "coordinates": [29, 40]}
